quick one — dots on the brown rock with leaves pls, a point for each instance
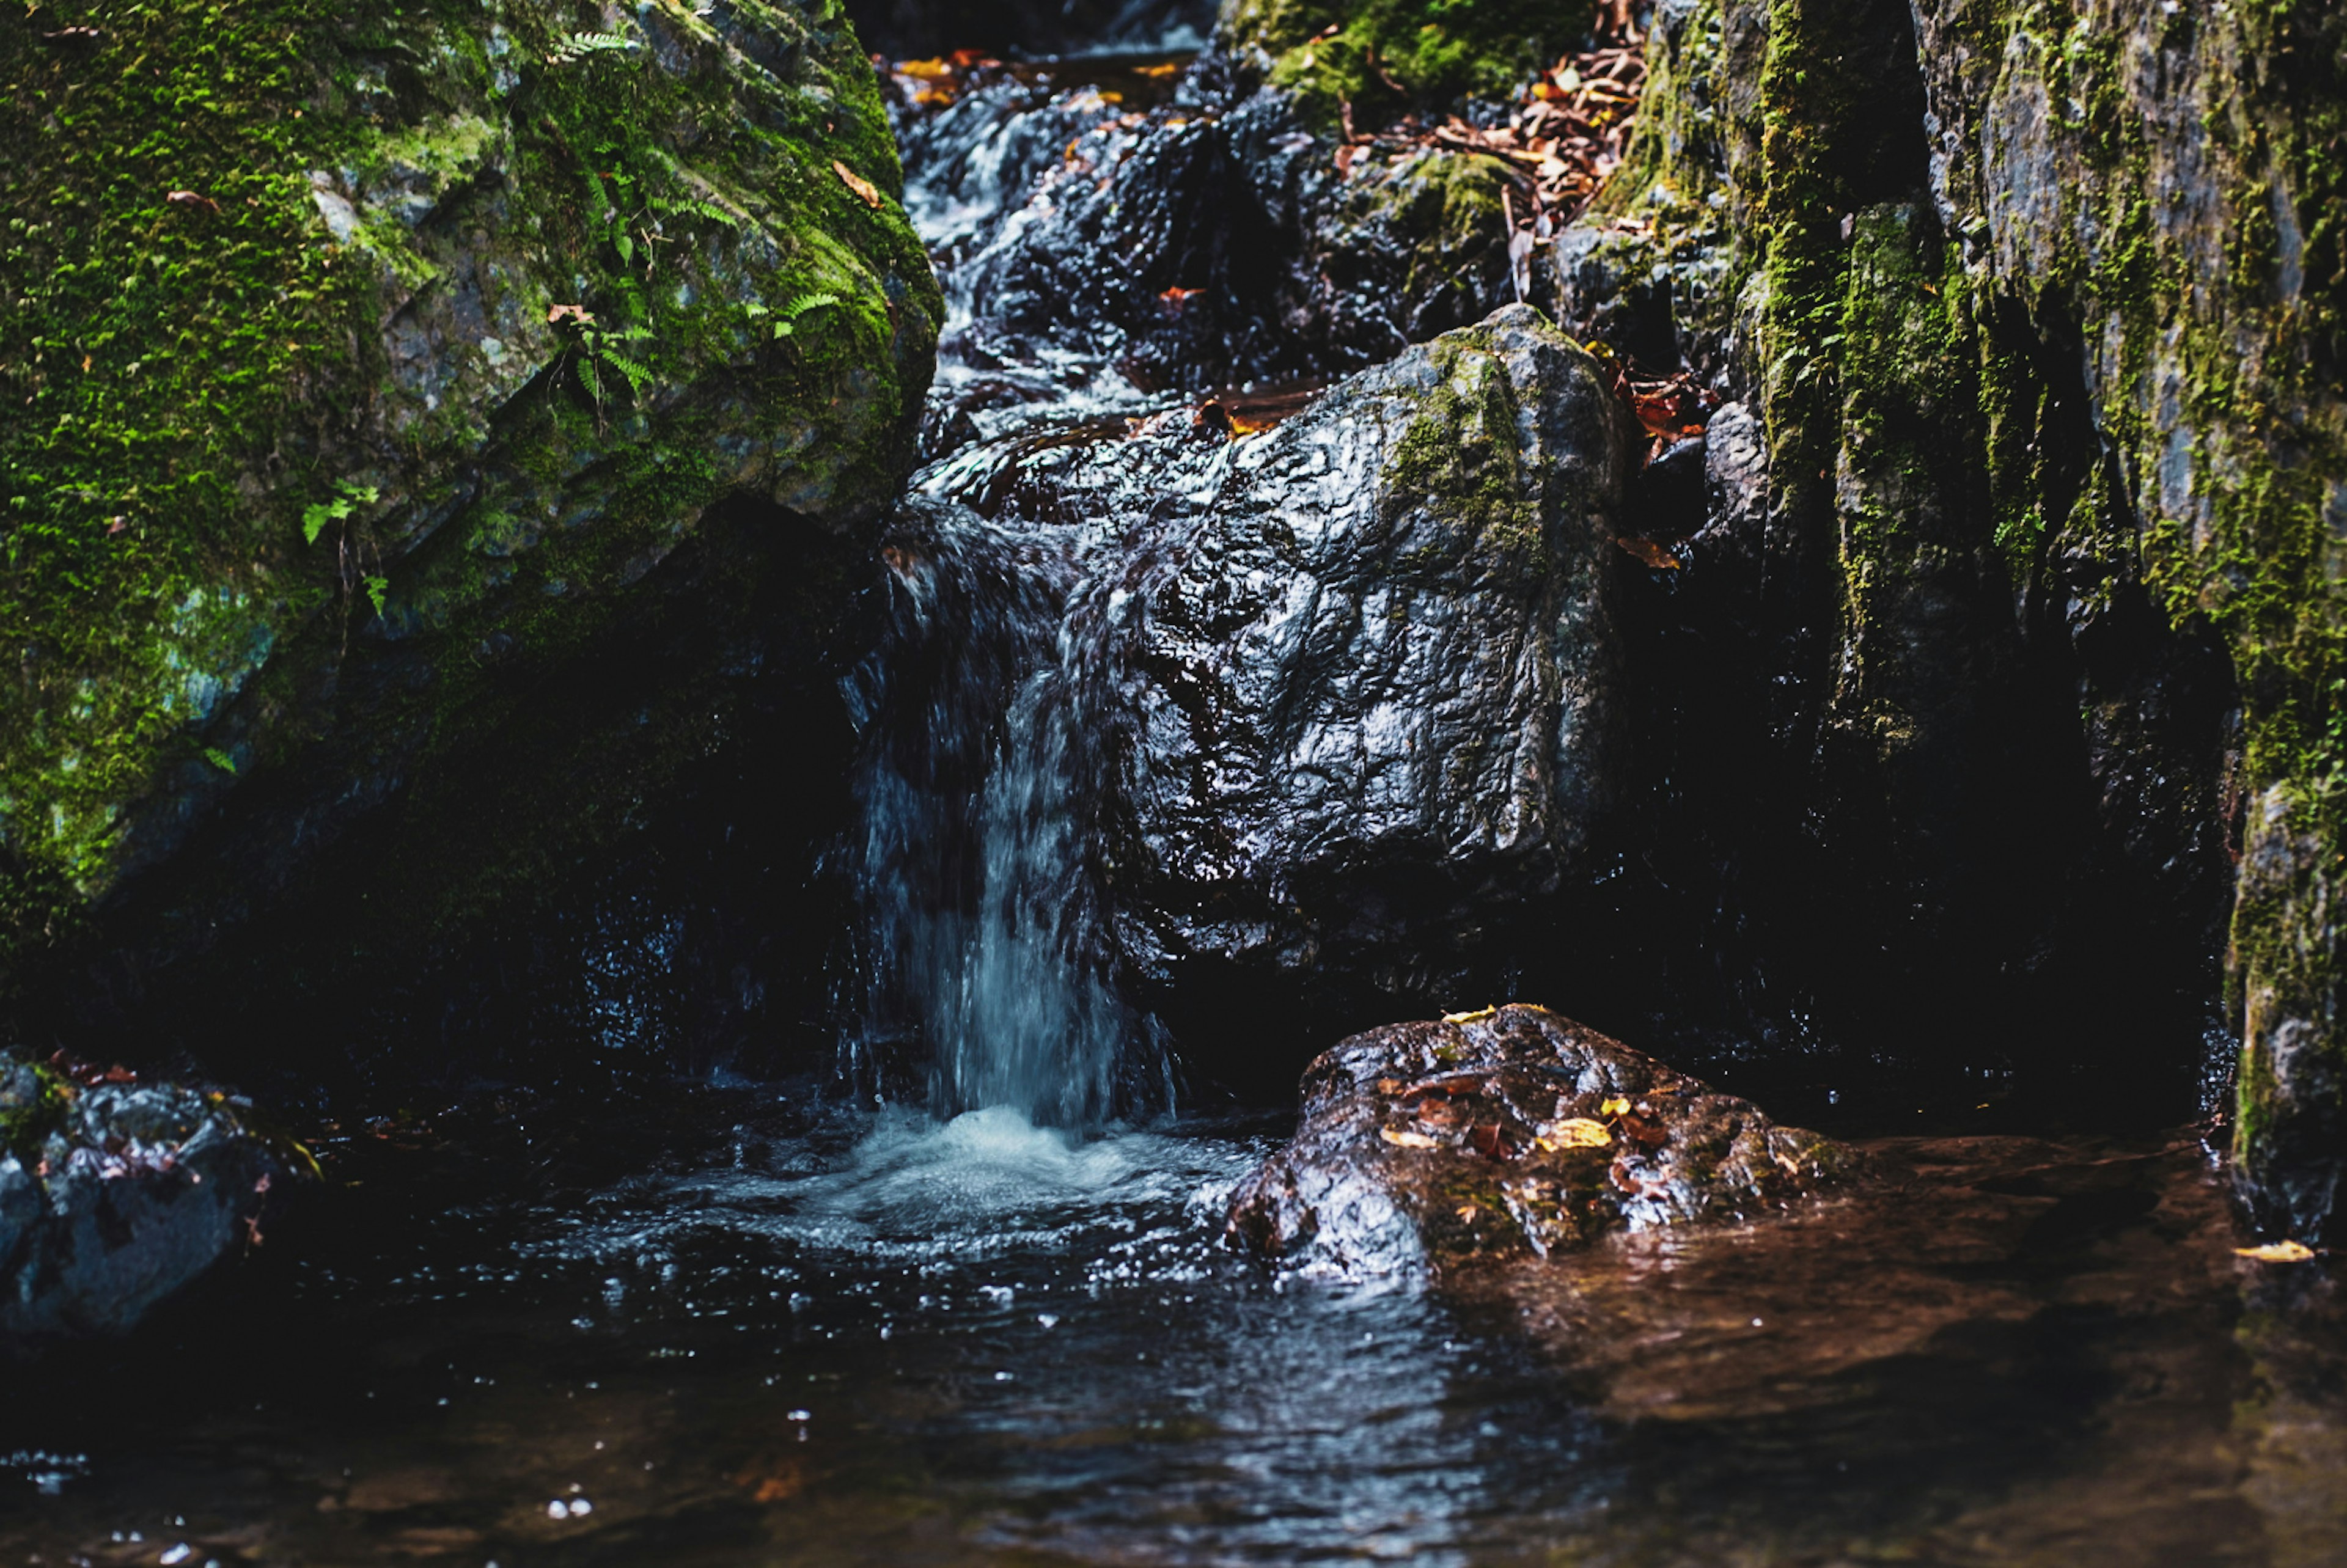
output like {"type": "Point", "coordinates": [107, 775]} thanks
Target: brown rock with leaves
{"type": "Point", "coordinates": [1505, 1132]}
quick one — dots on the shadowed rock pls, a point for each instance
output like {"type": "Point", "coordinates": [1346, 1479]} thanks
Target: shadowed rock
{"type": "Point", "coordinates": [116, 1198]}
{"type": "Point", "coordinates": [1505, 1132]}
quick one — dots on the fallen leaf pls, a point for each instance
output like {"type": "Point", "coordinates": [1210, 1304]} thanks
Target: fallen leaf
{"type": "Point", "coordinates": [864, 189]}
{"type": "Point", "coordinates": [2277, 1251]}
{"type": "Point", "coordinates": [1613, 1107]}
{"type": "Point", "coordinates": [1403, 1140]}
{"type": "Point", "coordinates": [577, 315]}
{"type": "Point", "coordinates": [1640, 1130]}
{"type": "Point", "coordinates": [192, 199]}
{"type": "Point", "coordinates": [1478, 1016]}
{"type": "Point", "coordinates": [1469, 1211]}
{"type": "Point", "coordinates": [1488, 1139]}
{"type": "Point", "coordinates": [1648, 552]}
{"type": "Point", "coordinates": [1574, 1133]}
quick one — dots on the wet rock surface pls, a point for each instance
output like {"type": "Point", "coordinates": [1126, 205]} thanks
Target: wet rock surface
{"type": "Point", "coordinates": [116, 1196]}
{"type": "Point", "coordinates": [1510, 1132]}
{"type": "Point", "coordinates": [1328, 700]}
{"type": "Point", "coordinates": [1125, 234]}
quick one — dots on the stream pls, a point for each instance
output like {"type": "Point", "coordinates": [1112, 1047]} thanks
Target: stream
{"type": "Point", "coordinates": [920, 1321]}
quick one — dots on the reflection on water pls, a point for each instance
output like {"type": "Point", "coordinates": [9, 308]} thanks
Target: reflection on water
{"type": "Point", "coordinates": [823, 1337]}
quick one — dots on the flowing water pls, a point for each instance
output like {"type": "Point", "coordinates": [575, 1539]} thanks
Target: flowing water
{"type": "Point", "coordinates": [991, 1319]}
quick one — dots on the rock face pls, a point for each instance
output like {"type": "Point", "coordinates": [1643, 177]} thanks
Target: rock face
{"type": "Point", "coordinates": [364, 393]}
{"type": "Point", "coordinates": [1378, 684]}
{"type": "Point", "coordinates": [1512, 1131]}
{"type": "Point", "coordinates": [113, 1200]}
{"type": "Point", "coordinates": [2027, 315]}
{"type": "Point", "coordinates": [1341, 696]}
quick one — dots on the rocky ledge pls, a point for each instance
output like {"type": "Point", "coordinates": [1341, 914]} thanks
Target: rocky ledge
{"type": "Point", "coordinates": [1507, 1133]}
{"type": "Point", "coordinates": [114, 1196]}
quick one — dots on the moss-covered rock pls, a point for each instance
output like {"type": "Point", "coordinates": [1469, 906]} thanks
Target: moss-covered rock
{"type": "Point", "coordinates": [1376, 57]}
{"type": "Point", "coordinates": [362, 364]}
{"type": "Point", "coordinates": [2045, 303]}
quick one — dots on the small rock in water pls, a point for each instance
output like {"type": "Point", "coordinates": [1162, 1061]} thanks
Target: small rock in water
{"type": "Point", "coordinates": [1509, 1131]}
{"type": "Point", "coordinates": [115, 1197]}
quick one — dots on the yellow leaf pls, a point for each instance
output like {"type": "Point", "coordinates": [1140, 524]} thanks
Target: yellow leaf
{"type": "Point", "coordinates": [1478, 1016]}
{"type": "Point", "coordinates": [1613, 1107]}
{"type": "Point", "coordinates": [1469, 1211]}
{"type": "Point", "coordinates": [863, 188]}
{"type": "Point", "coordinates": [2278, 1251]}
{"type": "Point", "coordinates": [1574, 1133]}
{"type": "Point", "coordinates": [1407, 1140]}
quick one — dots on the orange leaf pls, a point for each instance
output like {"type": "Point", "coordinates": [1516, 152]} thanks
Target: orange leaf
{"type": "Point", "coordinates": [864, 189]}
{"type": "Point", "coordinates": [1653, 554]}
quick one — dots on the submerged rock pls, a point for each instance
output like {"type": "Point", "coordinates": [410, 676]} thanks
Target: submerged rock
{"type": "Point", "coordinates": [114, 1198]}
{"type": "Point", "coordinates": [1508, 1133]}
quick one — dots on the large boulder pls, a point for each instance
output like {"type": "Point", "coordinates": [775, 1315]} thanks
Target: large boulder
{"type": "Point", "coordinates": [1337, 701]}
{"type": "Point", "coordinates": [116, 1196]}
{"type": "Point", "coordinates": [1509, 1132]}
{"type": "Point", "coordinates": [1377, 699]}
{"type": "Point", "coordinates": [374, 370]}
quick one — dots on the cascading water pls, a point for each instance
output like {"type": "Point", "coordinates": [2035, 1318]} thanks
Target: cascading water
{"type": "Point", "coordinates": [988, 953]}
{"type": "Point", "coordinates": [988, 945]}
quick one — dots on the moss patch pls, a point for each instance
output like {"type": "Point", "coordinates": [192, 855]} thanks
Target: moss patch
{"type": "Point", "coordinates": [1382, 56]}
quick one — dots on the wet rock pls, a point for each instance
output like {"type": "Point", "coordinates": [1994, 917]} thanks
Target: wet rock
{"type": "Point", "coordinates": [121, 1196]}
{"type": "Point", "coordinates": [1508, 1133]}
{"type": "Point", "coordinates": [1208, 241]}
{"type": "Point", "coordinates": [1341, 696]}
{"type": "Point", "coordinates": [1377, 696]}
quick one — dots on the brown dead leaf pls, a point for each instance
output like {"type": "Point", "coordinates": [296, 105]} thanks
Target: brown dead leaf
{"type": "Point", "coordinates": [1490, 1139]}
{"type": "Point", "coordinates": [1648, 552]}
{"type": "Point", "coordinates": [1401, 1139]}
{"type": "Point", "coordinates": [866, 191]}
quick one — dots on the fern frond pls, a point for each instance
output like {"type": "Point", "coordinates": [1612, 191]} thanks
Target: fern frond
{"type": "Point", "coordinates": [578, 46]}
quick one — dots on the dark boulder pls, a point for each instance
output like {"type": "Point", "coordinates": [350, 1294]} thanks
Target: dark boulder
{"type": "Point", "coordinates": [1510, 1132]}
{"type": "Point", "coordinates": [114, 1198]}
{"type": "Point", "coordinates": [1349, 684]}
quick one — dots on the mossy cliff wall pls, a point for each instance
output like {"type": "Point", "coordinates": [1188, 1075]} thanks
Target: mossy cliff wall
{"type": "Point", "coordinates": [365, 370]}
{"type": "Point", "coordinates": [2042, 306]}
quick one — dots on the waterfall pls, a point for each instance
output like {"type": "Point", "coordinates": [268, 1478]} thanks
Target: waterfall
{"type": "Point", "coordinates": [987, 946]}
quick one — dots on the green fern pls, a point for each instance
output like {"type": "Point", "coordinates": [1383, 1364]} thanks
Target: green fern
{"type": "Point", "coordinates": [349, 498]}
{"type": "Point", "coordinates": [786, 319]}
{"type": "Point", "coordinates": [579, 46]}
{"type": "Point", "coordinates": [220, 760]}
{"type": "Point", "coordinates": [378, 589]}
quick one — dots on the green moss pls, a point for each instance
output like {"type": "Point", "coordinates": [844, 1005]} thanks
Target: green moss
{"type": "Point", "coordinates": [2212, 328]}
{"type": "Point", "coordinates": [1458, 464]}
{"type": "Point", "coordinates": [184, 377]}
{"type": "Point", "coordinates": [33, 1102]}
{"type": "Point", "coordinates": [1382, 56]}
